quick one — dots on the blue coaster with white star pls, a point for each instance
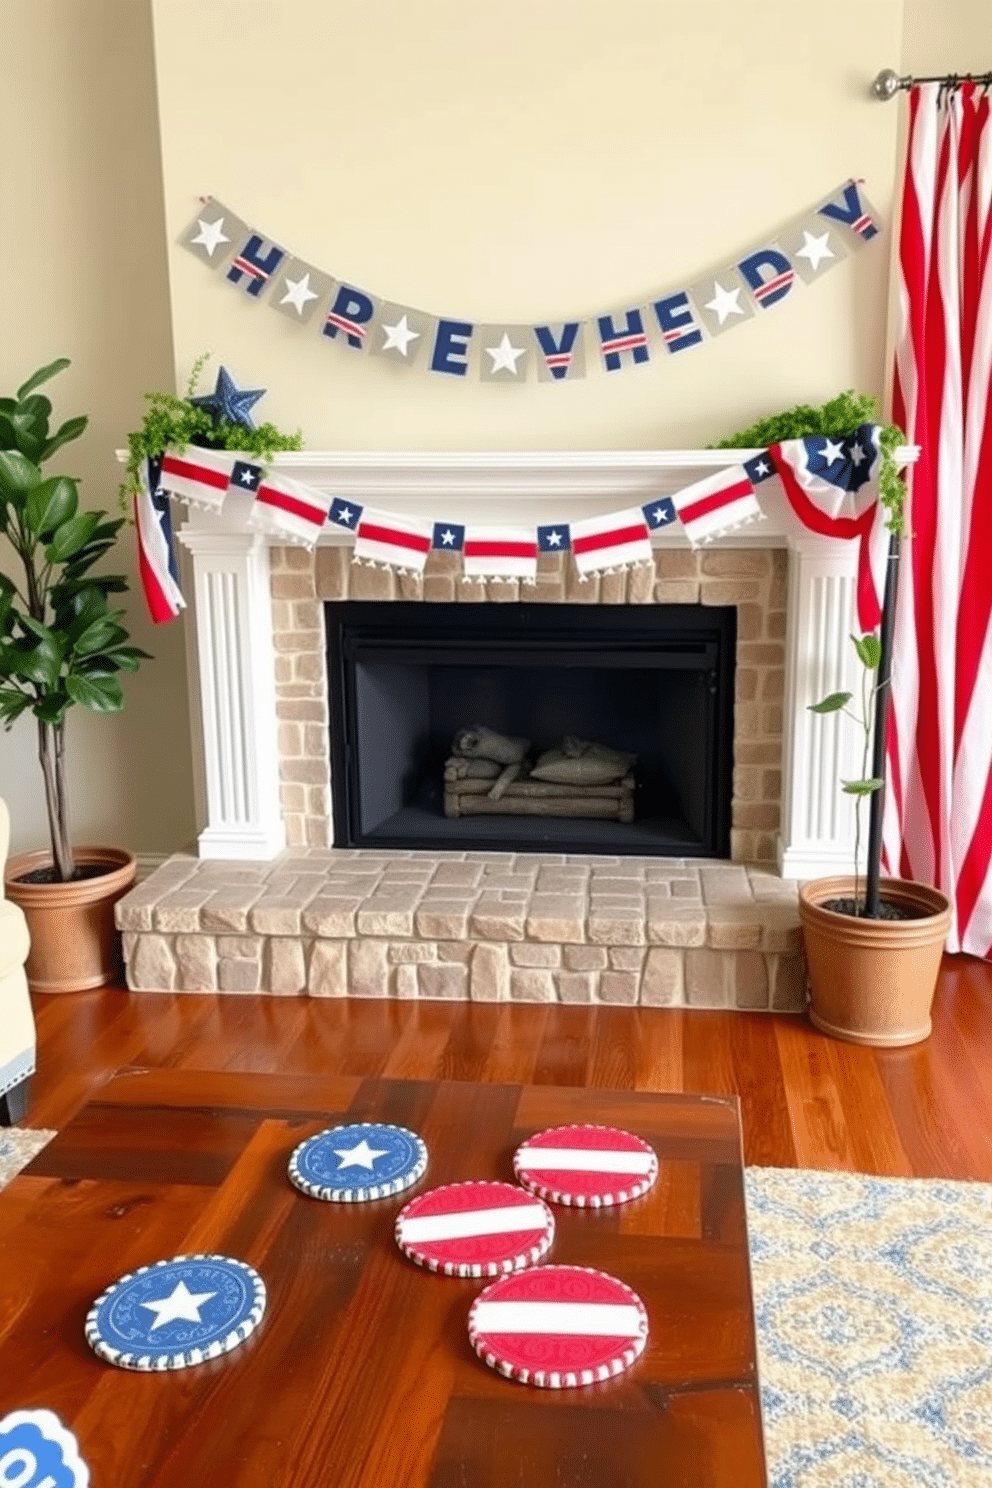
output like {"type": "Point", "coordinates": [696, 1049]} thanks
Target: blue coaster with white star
{"type": "Point", "coordinates": [350, 1164]}
{"type": "Point", "coordinates": [174, 1314]}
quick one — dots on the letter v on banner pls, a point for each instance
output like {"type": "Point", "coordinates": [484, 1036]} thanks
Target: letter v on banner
{"type": "Point", "coordinates": [561, 351]}
{"type": "Point", "coordinates": [853, 211]}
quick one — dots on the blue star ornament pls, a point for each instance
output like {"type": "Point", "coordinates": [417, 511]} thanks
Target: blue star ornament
{"type": "Point", "coordinates": [229, 402]}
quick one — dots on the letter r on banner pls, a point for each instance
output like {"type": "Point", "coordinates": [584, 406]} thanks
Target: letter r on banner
{"type": "Point", "coordinates": [350, 312]}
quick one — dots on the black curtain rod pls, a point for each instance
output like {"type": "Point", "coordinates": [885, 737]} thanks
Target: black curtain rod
{"type": "Point", "coordinates": [888, 83]}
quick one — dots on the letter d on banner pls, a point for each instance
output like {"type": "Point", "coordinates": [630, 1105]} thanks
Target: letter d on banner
{"type": "Point", "coordinates": [768, 275]}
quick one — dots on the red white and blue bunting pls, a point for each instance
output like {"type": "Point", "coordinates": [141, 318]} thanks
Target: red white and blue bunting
{"type": "Point", "coordinates": [831, 484]}
{"type": "Point", "coordinates": [671, 321]}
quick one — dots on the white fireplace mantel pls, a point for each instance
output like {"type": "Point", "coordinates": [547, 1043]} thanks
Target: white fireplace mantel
{"type": "Point", "coordinates": [234, 645]}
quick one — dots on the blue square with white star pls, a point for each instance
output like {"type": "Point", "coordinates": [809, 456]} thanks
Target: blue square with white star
{"type": "Point", "coordinates": [659, 513]}
{"type": "Point", "coordinates": [761, 468]}
{"type": "Point", "coordinates": [345, 513]}
{"type": "Point", "coordinates": [245, 476]}
{"type": "Point", "coordinates": [448, 537]}
{"type": "Point", "coordinates": [553, 539]}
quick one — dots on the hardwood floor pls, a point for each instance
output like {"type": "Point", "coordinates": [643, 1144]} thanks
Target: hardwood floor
{"type": "Point", "coordinates": [806, 1100]}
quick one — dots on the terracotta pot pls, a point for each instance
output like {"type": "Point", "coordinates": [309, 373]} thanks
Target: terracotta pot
{"type": "Point", "coordinates": [74, 941]}
{"type": "Point", "coordinates": [872, 981]}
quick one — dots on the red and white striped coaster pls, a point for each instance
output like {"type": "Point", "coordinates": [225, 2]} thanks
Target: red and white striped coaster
{"type": "Point", "coordinates": [588, 1166]}
{"type": "Point", "coordinates": [558, 1326]}
{"type": "Point", "coordinates": [475, 1229]}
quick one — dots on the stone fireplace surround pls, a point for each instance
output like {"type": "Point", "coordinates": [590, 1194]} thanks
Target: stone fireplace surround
{"type": "Point", "coordinates": [271, 905]}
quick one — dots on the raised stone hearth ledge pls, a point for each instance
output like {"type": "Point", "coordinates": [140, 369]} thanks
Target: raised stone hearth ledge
{"type": "Point", "coordinates": [489, 927]}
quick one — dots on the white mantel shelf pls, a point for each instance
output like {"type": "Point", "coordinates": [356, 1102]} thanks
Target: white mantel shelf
{"type": "Point", "coordinates": [233, 622]}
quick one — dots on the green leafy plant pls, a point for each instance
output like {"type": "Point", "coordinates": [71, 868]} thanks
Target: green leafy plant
{"type": "Point", "coordinates": [173, 422]}
{"type": "Point", "coordinates": [61, 643]}
{"type": "Point", "coordinates": [836, 417]}
{"type": "Point", "coordinates": [869, 650]}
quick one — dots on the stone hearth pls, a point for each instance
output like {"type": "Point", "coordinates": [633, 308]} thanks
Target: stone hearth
{"type": "Point", "coordinates": [483, 926]}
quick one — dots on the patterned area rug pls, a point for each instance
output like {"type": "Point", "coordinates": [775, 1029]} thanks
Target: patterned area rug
{"type": "Point", "coordinates": [873, 1299]}
{"type": "Point", "coordinates": [18, 1145]}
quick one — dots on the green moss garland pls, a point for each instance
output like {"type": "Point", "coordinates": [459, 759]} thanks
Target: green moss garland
{"type": "Point", "coordinates": [173, 422]}
{"type": "Point", "coordinates": [837, 417]}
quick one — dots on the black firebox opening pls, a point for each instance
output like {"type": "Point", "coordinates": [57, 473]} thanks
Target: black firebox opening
{"type": "Point", "coordinates": [654, 680]}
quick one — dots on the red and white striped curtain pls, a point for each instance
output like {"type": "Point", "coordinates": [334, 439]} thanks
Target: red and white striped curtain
{"type": "Point", "coordinates": [938, 811]}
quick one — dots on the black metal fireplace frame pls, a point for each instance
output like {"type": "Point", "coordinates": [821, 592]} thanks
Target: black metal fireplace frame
{"type": "Point", "coordinates": [700, 638]}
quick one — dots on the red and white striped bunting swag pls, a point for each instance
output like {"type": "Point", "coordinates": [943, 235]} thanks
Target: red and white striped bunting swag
{"type": "Point", "coordinates": [938, 812]}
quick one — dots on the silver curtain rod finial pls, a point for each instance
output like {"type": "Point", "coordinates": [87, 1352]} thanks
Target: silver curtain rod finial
{"type": "Point", "coordinates": [887, 84]}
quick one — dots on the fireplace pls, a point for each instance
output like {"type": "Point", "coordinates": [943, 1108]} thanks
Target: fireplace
{"type": "Point", "coordinates": [653, 681]}
{"type": "Point", "coordinates": [260, 645]}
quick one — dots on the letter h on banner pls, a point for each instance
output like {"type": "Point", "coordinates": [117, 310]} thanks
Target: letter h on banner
{"type": "Point", "coordinates": [257, 263]}
{"type": "Point", "coordinates": [615, 344]}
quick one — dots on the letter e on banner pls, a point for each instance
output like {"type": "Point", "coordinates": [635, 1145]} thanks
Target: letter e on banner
{"type": "Point", "coordinates": [450, 352]}
{"type": "Point", "coordinates": [677, 323]}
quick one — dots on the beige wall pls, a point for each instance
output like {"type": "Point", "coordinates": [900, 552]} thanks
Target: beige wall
{"type": "Point", "coordinates": [516, 162]}
{"type": "Point", "coordinates": [84, 276]}
{"type": "Point", "coordinates": [501, 162]}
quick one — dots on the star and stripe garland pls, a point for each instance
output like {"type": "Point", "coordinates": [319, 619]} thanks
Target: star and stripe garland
{"type": "Point", "coordinates": [831, 485]}
{"type": "Point", "coordinates": [673, 320]}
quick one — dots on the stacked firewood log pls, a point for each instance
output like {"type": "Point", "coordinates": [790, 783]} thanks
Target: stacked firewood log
{"type": "Point", "coordinates": [489, 774]}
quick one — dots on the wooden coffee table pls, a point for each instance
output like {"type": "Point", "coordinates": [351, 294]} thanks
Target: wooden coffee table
{"type": "Point", "coordinates": [361, 1374]}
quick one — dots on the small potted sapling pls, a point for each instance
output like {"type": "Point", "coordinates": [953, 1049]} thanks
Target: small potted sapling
{"type": "Point", "coordinates": [873, 945]}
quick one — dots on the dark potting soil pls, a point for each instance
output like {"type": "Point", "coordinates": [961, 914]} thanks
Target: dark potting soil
{"type": "Point", "coordinates": [886, 910]}
{"type": "Point", "coordinates": [48, 873]}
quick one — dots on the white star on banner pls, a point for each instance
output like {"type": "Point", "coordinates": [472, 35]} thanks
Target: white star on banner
{"type": "Point", "coordinates": [399, 336]}
{"type": "Point", "coordinates": [857, 455]}
{"type": "Point", "coordinates": [554, 539]}
{"type": "Point", "coordinates": [658, 514]}
{"type": "Point", "coordinates": [181, 1303]}
{"type": "Point", "coordinates": [362, 1156]}
{"type": "Point", "coordinates": [298, 292]}
{"type": "Point", "coordinates": [447, 537]}
{"type": "Point", "coordinates": [345, 515]}
{"type": "Point", "coordinates": [505, 356]}
{"type": "Point", "coordinates": [246, 477]}
{"type": "Point", "coordinates": [762, 468]}
{"type": "Point", "coordinates": [211, 234]}
{"type": "Point", "coordinates": [815, 249]}
{"type": "Point", "coordinates": [724, 302]}
{"type": "Point", "coordinates": [832, 450]}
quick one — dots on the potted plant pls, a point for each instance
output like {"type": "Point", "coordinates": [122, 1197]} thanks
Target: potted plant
{"type": "Point", "coordinates": [61, 645]}
{"type": "Point", "coordinates": [873, 945]}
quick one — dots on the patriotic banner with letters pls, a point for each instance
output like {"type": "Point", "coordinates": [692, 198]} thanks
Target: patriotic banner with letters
{"type": "Point", "coordinates": [675, 320]}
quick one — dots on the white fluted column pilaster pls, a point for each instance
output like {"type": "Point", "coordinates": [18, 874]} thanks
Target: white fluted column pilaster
{"type": "Point", "coordinates": [820, 750]}
{"type": "Point", "coordinates": [236, 661]}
